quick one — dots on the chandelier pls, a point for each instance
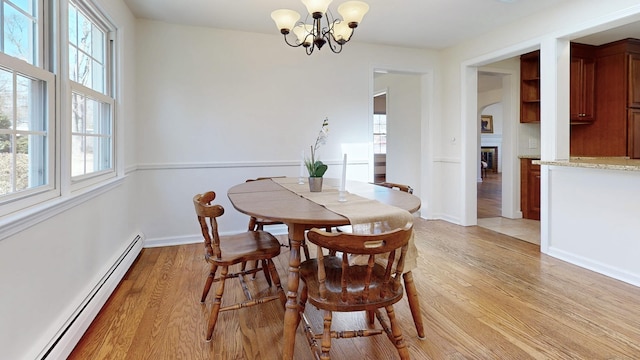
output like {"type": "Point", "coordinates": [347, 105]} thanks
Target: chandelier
{"type": "Point", "coordinates": [335, 32]}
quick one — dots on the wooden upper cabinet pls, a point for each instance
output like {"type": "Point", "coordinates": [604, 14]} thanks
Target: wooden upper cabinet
{"type": "Point", "coordinates": [582, 84]}
{"type": "Point", "coordinates": [617, 88]}
{"type": "Point", "coordinates": [633, 94]}
{"type": "Point", "coordinates": [530, 87]}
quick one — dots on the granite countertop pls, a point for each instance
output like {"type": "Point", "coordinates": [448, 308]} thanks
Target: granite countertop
{"type": "Point", "coordinates": [534, 157]}
{"type": "Point", "coordinates": [610, 163]}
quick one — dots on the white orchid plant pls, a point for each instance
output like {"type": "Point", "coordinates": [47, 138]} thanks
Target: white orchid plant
{"type": "Point", "coordinates": [316, 167]}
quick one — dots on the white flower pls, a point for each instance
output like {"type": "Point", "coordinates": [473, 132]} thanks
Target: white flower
{"type": "Point", "coordinates": [315, 167]}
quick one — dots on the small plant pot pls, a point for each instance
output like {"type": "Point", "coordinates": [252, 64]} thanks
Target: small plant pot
{"type": "Point", "coordinates": [315, 184]}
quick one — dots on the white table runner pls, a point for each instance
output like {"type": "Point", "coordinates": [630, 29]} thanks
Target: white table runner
{"type": "Point", "coordinates": [365, 215]}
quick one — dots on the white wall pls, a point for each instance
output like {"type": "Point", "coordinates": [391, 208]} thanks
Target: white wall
{"type": "Point", "coordinates": [594, 220]}
{"type": "Point", "coordinates": [217, 107]}
{"type": "Point", "coordinates": [46, 270]}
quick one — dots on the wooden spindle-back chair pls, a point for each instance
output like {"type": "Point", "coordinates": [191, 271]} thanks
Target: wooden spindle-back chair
{"type": "Point", "coordinates": [221, 252]}
{"type": "Point", "coordinates": [335, 283]}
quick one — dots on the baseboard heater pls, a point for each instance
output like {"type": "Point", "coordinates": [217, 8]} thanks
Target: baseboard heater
{"type": "Point", "coordinates": [66, 339]}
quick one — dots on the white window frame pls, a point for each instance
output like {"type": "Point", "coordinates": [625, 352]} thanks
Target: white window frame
{"type": "Point", "coordinates": [14, 202]}
{"type": "Point", "coordinates": [20, 210]}
{"type": "Point", "coordinates": [91, 12]}
{"type": "Point", "coordinates": [25, 198]}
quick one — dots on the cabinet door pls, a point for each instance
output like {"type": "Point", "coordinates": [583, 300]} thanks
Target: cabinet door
{"type": "Point", "coordinates": [582, 101]}
{"type": "Point", "coordinates": [529, 189]}
{"type": "Point", "coordinates": [633, 94]}
{"type": "Point", "coordinates": [633, 134]}
{"type": "Point", "coordinates": [534, 192]}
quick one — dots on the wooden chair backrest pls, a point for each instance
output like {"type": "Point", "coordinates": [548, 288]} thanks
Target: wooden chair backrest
{"type": "Point", "coordinates": [207, 211]}
{"type": "Point", "coordinates": [401, 187]}
{"type": "Point", "coordinates": [361, 244]}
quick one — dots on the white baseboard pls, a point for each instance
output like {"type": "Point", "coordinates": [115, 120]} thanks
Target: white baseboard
{"type": "Point", "coordinates": [71, 332]}
{"type": "Point", "coordinates": [604, 269]}
{"type": "Point", "coordinates": [195, 239]}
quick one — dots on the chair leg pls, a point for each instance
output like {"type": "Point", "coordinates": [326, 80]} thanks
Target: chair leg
{"type": "Point", "coordinates": [396, 334]}
{"type": "Point", "coordinates": [265, 269]}
{"type": "Point", "coordinates": [326, 336]}
{"type": "Point", "coordinates": [276, 280]}
{"type": "Point", "coordinates": [215, 309]}
{"type": "Point", "coordinates": [371, 316]}
{"type": "Point", "coordinates": [208, 282]}
{"type": "Point", "coordinates": [255, 266]}
{"type": "Point", "coordinates": [414, 303]}
{"type": "Point", "coordinates": [252, 224]}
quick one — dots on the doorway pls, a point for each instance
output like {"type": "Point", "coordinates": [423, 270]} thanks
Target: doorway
{"type": "Point", "coordinates": [401, 134]}
{"type": "Point", "coordinates": [499, 128]}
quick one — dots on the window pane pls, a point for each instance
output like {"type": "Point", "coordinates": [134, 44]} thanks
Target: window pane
{"type": "Point", "coordinates": [99, 154]}
{"type": "Point", "coordinates": [23, 163]}
{"type": "Point", "coordinates": [77, 155]}
{"type": "Point", "coordinates": [89, 116]}
{"type": "Point", "coordinates": [33, 149]}
{"type": "Point", "coordinates": [6, 99]}
{"type": "Point", "coordinates": [73, 63]}
{"type": "Point", "coordinates": [380, 133]}
{"type": "Point", "coordinates": [84, 69]}
{"type": "Point", "coordinates": [77, 113]}
{"type": "Point", "coordinates": [23, 133]}
{"type": "Point", "coordinates": [73, 25]}
{"type": "Point", "coordinates": [91, 136]}
{"type": "Point", "coordinates": [380, 144]}
{"type": "Point", "coordinates": [7, 164]}
{"type": "Point", "coordinates": [97, 49]}
{"type": "Point", "coordinates": [25, 5]}
{"type": "Point", "coordinates": [84, 33]}
{"type": "Point", "coordinates": [19, 34]}
{"type": "Point", "coordinates": [5, 135]}
{"type": "Point", "coordinates": [87, 52]}
{"type": "Point", "coordinates": [23, 103]}
{"type": "Point", "coordinates": [98, 77]}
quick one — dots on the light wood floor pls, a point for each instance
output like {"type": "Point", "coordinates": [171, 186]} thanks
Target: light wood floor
{"type": "Point", "coordinates": [490, 196]}
{"type": "Point", "coordinates": [483, 296]}
{"type": "Point", "coordinates": [490, 212]}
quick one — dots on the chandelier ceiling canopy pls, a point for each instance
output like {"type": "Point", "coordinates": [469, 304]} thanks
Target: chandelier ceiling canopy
{"type": "Point", "coordinates": [333, 31]}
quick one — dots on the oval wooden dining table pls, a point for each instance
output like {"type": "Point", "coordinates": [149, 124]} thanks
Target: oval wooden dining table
{"type": "Point", "coordinates": [269, 200]}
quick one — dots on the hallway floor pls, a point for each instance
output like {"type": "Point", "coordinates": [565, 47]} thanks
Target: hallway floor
{"type": "Point", "coordinates": [489, 211]}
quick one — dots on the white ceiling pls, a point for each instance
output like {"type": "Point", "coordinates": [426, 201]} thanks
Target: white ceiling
{"type": "Point", "coordinates": [433, 24]}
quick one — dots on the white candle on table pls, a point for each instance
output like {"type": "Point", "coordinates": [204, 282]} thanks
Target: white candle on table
{"type": "Point", "coordinates": [344, 174]}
